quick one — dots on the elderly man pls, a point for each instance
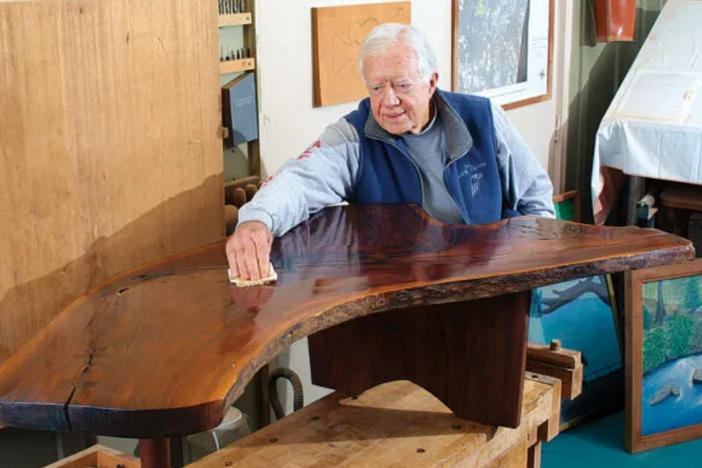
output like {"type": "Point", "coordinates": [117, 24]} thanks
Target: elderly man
{"type": "Point", "coordinates": [455, 155]}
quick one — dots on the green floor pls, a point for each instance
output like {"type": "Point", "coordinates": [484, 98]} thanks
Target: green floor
{"type": "Point", "coordinates": [600, 444]}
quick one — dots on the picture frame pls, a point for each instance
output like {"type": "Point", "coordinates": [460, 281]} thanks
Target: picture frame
{"type": "Point", "coordinates": [663, 355]}
{"type": "Point", "coordinates": [337, 33]}
{"type": "Point", "coordinates": [492, 56]}
{"type": "Point", "coordinates": [582, 315]}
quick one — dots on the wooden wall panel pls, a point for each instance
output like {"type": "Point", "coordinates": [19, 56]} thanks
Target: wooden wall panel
{"type": "Point", "coordinates": [109, 155]}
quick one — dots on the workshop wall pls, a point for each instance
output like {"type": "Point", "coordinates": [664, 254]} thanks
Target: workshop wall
{"type": "Point", "coordinates": [289, 122]}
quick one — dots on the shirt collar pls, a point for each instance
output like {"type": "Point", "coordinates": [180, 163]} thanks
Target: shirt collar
{"type": "Point", "coordinates": [457, 137]}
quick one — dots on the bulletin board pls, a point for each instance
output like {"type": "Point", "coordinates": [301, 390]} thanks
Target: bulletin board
{"type": "Point", "coordinates": [337, 35]}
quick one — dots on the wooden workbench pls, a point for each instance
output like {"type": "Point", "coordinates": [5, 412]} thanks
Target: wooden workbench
{"type": "Point", "coordinates": [165, 349]}
{"type": "Point", "coordinates": [397, 424]}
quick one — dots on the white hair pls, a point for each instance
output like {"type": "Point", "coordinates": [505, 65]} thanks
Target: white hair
{"type": "Point", "coordinates": [386, 35]}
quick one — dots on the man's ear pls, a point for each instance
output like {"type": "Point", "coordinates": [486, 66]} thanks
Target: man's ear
{"type": "Point", "coordinates": [433, 82]}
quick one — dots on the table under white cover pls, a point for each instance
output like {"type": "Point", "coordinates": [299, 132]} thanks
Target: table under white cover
{"type": "Point", "coordinates": [653, 126]}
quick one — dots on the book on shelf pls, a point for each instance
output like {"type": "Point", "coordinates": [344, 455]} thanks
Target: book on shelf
{"type": "Point", "coordinates": [239, 109]}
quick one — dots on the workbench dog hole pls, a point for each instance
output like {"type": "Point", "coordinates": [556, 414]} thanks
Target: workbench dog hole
{"type": "Point", "coordinates": [314, 418]}
{"type": "Point", "coordinates": [456, 427]}
{"type": "Point", "coordinates": [420, 450]}
{"type": "Point", "coordinates": [273, 440]}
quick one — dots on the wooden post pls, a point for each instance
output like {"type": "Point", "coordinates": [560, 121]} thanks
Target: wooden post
{"type": "Point", "coordinates": [155, 453]}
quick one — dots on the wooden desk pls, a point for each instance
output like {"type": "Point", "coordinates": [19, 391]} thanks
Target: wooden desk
{"type": "Point", "coordinates": [165, 349]}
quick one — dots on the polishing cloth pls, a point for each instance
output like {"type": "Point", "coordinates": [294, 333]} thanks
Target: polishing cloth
{"type": "Point", "coordinates": [272, 276]}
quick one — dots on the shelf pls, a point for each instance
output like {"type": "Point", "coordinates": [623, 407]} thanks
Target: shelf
{"type": "Point", "coordinates": [233, 66]}
{"type": "Point", "coordinates": [234, 19]}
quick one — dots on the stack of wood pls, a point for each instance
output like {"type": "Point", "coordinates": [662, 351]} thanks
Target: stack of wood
{"type": "Point", "coordinates": [236, 193]}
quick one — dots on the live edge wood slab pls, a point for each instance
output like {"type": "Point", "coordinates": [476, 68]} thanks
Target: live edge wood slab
{"type": "Point", "coordinates": [164, 349]}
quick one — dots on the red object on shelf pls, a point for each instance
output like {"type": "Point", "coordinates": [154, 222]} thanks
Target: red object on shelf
{"type": "Point", "coordinates": [615, 20]}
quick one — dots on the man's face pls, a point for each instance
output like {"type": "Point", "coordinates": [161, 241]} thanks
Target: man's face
{"type": "Point", "coordinates": [399, 96]}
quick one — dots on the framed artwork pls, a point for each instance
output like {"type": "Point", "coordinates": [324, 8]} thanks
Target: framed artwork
{"type": "Point", "coordinates": [502, 49]}
{"type": "Point", "coordinates": [581, 314]}
{"type": "Point", "coordinates": [663, 355]}
{"type": "Point", "coordinates": [337, 35]}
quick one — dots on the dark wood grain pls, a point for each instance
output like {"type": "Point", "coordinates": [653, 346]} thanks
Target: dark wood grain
{"type": "Point", "coordinates": [469, 354]}
{"type": "Point", "coordinates": [165, 349]}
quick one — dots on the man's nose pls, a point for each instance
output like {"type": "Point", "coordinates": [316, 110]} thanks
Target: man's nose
{"type": "Point", "coordinates": [389, 97]}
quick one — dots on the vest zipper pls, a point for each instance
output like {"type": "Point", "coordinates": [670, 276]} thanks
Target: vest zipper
{"type": "Point", "coordinates": [421, 185]}
{"type": "Point", "coordinates": [416, 169]}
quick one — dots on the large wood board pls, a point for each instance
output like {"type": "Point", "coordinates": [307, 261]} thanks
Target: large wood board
{"type": "Point", "coordinates": [109, 154]}
{"type": "Point", "coordinates": [164, 349]}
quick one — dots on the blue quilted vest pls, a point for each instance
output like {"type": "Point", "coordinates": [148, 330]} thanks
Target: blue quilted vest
{"type": "Point", "coordinates": [387, 174]}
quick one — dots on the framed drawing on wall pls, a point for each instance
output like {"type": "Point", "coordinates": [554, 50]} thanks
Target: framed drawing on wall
{"type": "Point", "coordinates": [663, 358]}
{"type": "Point", "coordinates": [337, 34]}
{"type": "Point", "coordinates": [502, 49]}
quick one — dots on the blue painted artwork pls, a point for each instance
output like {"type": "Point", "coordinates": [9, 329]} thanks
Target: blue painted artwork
{"type": "Point", "coordinates": [671, 395]}
{"type": "Point", "coordinates": [579, 313]}
{"type": "Point", "coordinates": [670, 398]}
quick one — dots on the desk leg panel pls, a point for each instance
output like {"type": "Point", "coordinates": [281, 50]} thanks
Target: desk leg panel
{"type": "Point", "coordinates": [155, 453]}
{"type": "Point", "coordinates": [471, 355]}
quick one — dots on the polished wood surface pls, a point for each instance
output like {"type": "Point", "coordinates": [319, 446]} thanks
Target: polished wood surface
{"type": "Point", "coordinates": [396, 424]}
{"type": "Point", "coordinates": [164, 349]}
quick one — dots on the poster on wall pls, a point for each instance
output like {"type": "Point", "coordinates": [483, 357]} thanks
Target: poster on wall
{"type": "Point", "coordinates": [664, 355]}
{"type": "Point", "coordinates": [502, 49]}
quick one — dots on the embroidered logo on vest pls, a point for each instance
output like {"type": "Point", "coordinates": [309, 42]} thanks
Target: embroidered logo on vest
{"type": "Point", "coordinates": [476, 175]}
{"type": "Point", "coordinates": [475, 182]}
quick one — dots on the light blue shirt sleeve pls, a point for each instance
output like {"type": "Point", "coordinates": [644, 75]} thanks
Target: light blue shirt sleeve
{"type": "Point", "coordinates": [322, 175]}
{"type": "Point", "coordinates": [526, 187]}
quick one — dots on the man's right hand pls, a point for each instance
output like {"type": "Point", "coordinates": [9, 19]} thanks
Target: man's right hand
{"type": "Point", "coordinates": [248, 250]}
